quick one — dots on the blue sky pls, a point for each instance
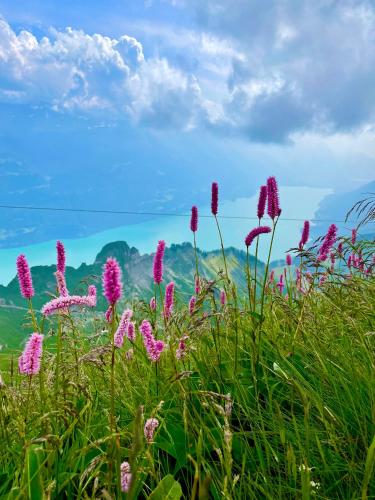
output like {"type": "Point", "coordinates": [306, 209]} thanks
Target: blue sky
{"type": "Point", "coordinates": [139, 105]}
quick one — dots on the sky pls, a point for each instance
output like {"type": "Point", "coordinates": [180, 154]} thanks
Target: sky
{"type": "Point", "coordinates": [139, 105]}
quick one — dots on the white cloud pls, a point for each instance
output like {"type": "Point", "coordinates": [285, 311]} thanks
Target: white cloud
{"type": "Point", "coordinates": [263, 70]}
{"type": "Point", "coordinates": [73, 70]}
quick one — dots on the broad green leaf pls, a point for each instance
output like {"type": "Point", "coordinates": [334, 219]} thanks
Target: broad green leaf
{"type": "Point", "coordinates": [33, 480]}
{"type": "Point", "coordinates": [167, 489]}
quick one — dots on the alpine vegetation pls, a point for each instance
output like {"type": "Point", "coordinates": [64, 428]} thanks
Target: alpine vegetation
{"type": "Point", "coordinates": [255, 389]}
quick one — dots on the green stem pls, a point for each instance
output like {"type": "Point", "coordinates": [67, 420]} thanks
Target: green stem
{"type": "Point", "coordinates": [266, 271]}
{"type": "Point", "coordinates": [235, 328]}
{"type": "Point", "coordinates": [222, 248]}
{"type": "Point", "coordinates": [114, 458]}
{"type": "Point", "coordinates": [58, 355]}
{"type": "Point", "coordinates": [248, 274]}
{"type": "Point", "coordinates": [255, 269]}
{"type": "Point", "coordinates": [196, 258]}
{"type": "Point", "coordinates": [216, 340]}
{"type": "Point", "coordinates": [261, 319]}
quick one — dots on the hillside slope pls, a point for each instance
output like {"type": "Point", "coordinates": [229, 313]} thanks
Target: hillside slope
{"type": "Point", "coordinates": [179, 266]}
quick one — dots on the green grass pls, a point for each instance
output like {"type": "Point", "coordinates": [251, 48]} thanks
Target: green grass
{"type": "Point", "coordinates": [293, 419]}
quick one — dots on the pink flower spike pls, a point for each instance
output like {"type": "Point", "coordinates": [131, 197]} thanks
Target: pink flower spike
{"type": "Point", "coordinates": [273, 208]}
{"type": "Point", "coordinates": [108, 314]}
{"type": "Point", "coordinates": [262, 201]}
{"type": "Point", "coordinates": [288, 259]}
{"type": "Point", "coordinates": [131, 331]}
{"type": "Point", "coordinates": [29, 361]}
{"type": "Point", "coordinates": [280, 284]}
{"type": "Point", "coordinates": [146, 328]}
{"type": "Point", "coordinates": [63, 303]}
{"type": "Point", "coordinates": [328, 243]}
{"type": "Point", "coordinates": [24, 277]}
{"type": "Point", "coordinates": [181, 351]}
{"type": "Point", "coordinates": [149, 429]}
{"type": "Point", "coordinates": [354, 236]}
{"type": "Point", "coordinates": [126, 477]}
{"type": "Point", "coordinates": [60, 257]}
{"type": "Point", "coordinates": [153, 347]}
{"type": "Point", "coordinates": [305, 234]}
{"type": "Point", "coordinates": [153, 304]}
{"type": "Point", "coordinates": [192, 303]}
{"type": "Point", "coordinates": [112, 285]}
{"type": "Point", "coordinates": [61, 284]}
{"type": "Point", "coordinates": [194, 219]}
{"type": "Point", "coordinates": [254, 233]}
{"type": "Point", "coordinates": [169, 299]}
{"type": "Point", "coordinates": [223, 298]}
{"type": "Point", "coordinates": [159, 345]}
{"type": "Point", "coordinates": [214, 198]}
{"type": "Point", "coordinates": [158, 262]}
{"type": "Point", "coordinates": [122, 328]}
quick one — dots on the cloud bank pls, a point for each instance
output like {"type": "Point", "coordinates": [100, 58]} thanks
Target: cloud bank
{"type": "Point", "coordinates": [265, 71]}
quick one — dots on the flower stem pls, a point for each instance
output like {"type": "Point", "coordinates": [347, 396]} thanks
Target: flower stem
{"type": "Point", "coordinates": [222, 248]}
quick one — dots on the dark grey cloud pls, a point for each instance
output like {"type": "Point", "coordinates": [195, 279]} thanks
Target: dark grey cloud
{"type": "Point", "coordinates": [319, 55]}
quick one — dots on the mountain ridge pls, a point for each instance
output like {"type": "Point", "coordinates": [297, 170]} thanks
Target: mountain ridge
{"type": "Point", "coordinates": [179, 266]}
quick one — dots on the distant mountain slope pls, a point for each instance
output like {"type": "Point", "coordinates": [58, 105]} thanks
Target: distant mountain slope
{"type": "Point", "coordinates": [334, 207]}
{"type": "Point", "coordinates": [179, 266]}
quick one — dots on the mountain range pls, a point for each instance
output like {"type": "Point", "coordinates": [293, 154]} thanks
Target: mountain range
{"type": "Point", "coordinates": [179, 266]}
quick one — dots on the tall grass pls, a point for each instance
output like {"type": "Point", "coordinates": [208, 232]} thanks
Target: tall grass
{"type": "Point", "coordinates": [271, 395]}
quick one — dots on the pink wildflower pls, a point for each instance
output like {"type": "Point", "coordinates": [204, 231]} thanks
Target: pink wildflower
{"type": "Point", "coordinates": [126, 477]}
{"type": "Point", "coordinates": [194, 219]}
{"type": "Point", "coordinates": [288, 259]}
{"type": "Point", "coordinates": [24, 277]}
{"type": "Point", "coordinates": [122, 328]}
{"type": "Point", "coordinates": [280, 284]}
{"type": "Point", "coordinates": [69, 301]}
{"type": "Point", "coordinates": [149, 429]}
{"type": "Point", "coordinates": [262, 201]}
{"type": "Point", "coordinates": [223, 298]}
{"type": "Point", "coordinates": [108, 314]}
{"type": "Point", "coordinates": [305, 234]}
{"type": "Point", "coordinates": [61, 284]}
{"type": "Point", "coordinates": [192, 303]}
{"type": "Point", "coordinates": [131, 331]}
{"type": "Point", "coordinates": [354, 236]}
{"type": "Point", "coordinates": [214, 198]}
{"type": "Point", "coordinates": [154, 347]}
{"type": "Point", "coordinates": [273, 208]}
{"type": "Point", "coordinates": [153, 304]}
{"type": "Point", "coordinates": [112, 286]}
{"type": "Point", "coordinates": [168, 303]}
{"type": "Point", "coordinates": [158, 262]}
{"type": "Point", "coordinates": [328, 242]}
{"type": "Point", "coordinates": [29, 361]}
{"type": "Point", "coordinates": [254, 233]}
{"type": "Point", "coordinates": [181, 351]}
{"type": "Point", "coordinates": [60, 257]}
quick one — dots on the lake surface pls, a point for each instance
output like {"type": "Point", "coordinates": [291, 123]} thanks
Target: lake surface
{"type": "Point", "coordinates": [296, 202]}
